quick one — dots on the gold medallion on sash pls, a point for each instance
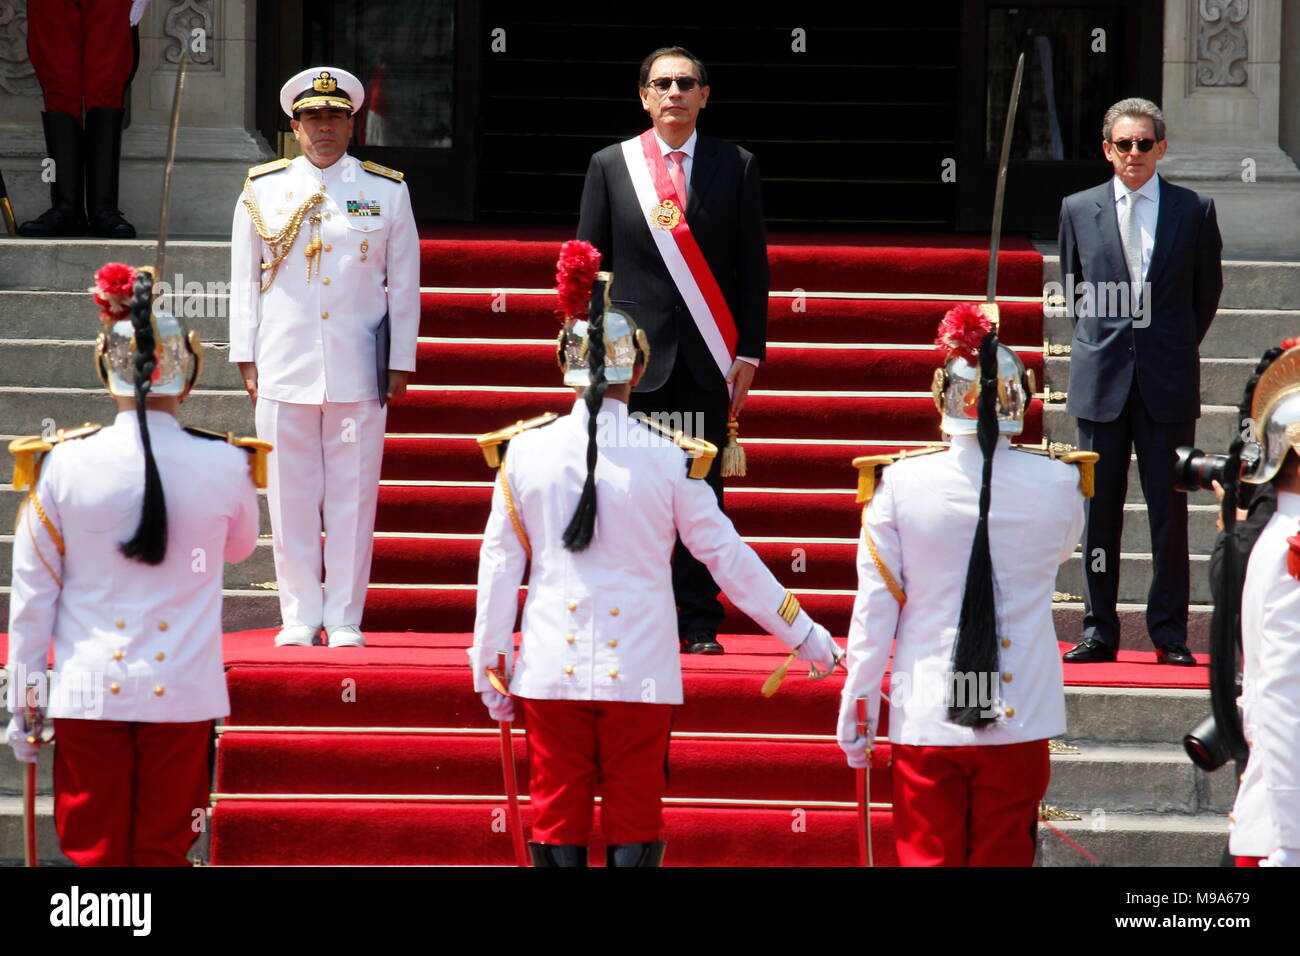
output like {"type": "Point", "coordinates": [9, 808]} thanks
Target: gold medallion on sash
{"type": "Point", "coordinates": [666, 215]}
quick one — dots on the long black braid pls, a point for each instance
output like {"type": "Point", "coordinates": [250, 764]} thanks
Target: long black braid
{"type": "Point", "coordinates": [583, 523]}
{"type": "Point", "coordinates": [149, 544]}
{"type": "Point", "coordinates": [975, 654]}
{"type": "Point", "coordinates": [1225, 632]}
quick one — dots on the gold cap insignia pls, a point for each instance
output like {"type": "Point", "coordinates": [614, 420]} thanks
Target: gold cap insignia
{"type": "Point", "coordinates": [324, 83]}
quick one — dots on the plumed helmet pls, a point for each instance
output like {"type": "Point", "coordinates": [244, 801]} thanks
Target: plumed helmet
{"type": "Point", "coordinates": [178, 351]}
{"type": "Point", "coordinates": [1275, 411]}
{"type": "Point", "coordinates": [956, 385]}
{"type": "Point", "coordinates": [581, 287]}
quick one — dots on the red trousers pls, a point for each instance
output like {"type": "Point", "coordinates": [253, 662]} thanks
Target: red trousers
{"type": "Point", "coordinates": [82, 50]}
{"type": "Point", "coordinates": [968, 806]}
{"type": "Point", "coordinates": [128, 793]}
{"type": "Point", "coordinates": [578, 748]}
{"type": "Point", "coordinates": [1250, 860]}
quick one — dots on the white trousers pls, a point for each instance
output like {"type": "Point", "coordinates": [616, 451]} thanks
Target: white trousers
{"type": "Point", "coordinates": [322, 476]}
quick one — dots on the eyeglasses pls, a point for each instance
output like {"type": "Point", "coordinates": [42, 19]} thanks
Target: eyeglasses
{"type": "Point", "coordinates": [1124, 145]}
{"type": "Point", "coordinates": [665, 83]}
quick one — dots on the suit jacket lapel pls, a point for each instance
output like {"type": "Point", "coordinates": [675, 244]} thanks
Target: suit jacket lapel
{"type": "Point", "coordinates": [704, 166]}
{"type": "Point", "coordinates": [1108, 226]}
{"type": "Point", "coordinates": [1167, 226]}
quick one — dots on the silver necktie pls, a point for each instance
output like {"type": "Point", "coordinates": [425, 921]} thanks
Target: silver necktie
{"type": "Point", "coordinates": [1131, 235]}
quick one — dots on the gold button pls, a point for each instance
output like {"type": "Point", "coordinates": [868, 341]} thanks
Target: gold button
{"type": "Point", "coordinates": [613, 643]}
{"type": "Point", "coordinates": [613, 672]}
{"type": "Point", "coordinates": [115, 688]}
{"type": "Point", "coordinates": [329, 248]}
{"type": "Point", "coordinates": [1006, 642]}
{"type": "Point", "coordinates": [324, 315]}
{"type": "Point", "coordinates": [158, 691]}
{"type": "Point", "coordinates": [1006, 678]}
{"type": "Point", "coordinates": [1241, 778]}
{"type": "Point", "coordinates": [162, 625]}
{"type": "Point", "coordinates": [1231, 818]}
{"type": "Point", "coordinates": [117, 655]}
{"type": "Point", "coordinates": [568, 668]}
{"type": "Point", "coordinates": [327, 215]}
{"type": "Point", "coordinates": [119, 624]}
{"type": "Point", "coordinates": [322, 187]}
{"type": "Point", "coordinates": [569, 638]}
{"type": "Point", "coordinates": [363, 258]}
{"type": "Point", "coordinates": [160, 656]}
{"type": "Point", "coordinates": [325, 281]}
{"type": "Point", "coordinates": [613, 612]}
{"type": "Point", "coordinates": [1011, 712]}
{"type": "Point", "coordinates": [573, 605]}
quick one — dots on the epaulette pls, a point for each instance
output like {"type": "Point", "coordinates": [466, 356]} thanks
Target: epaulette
{"type": "Point", "coordinates": [700, 453]}
{"type": "Point", "coordinates": [493, 443]}
{"type": "Point", "coordinates": [869, 466]}
{"type": "Point", "coordinates": [29, 452]}
{"type": "Point", "coordinates": [395, 175]}
{"type": "Point", "coordinates": [257, 450]}
{"type": "Point", "coordinates": [274, 166]}
{"type": "Point", "coordinates": [1059, 451]}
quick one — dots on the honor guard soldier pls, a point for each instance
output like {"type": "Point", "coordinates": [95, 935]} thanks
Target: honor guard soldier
{"type": "Point", "coordinates": [599, 670]}
{"type": "Point", "coordinates": [976, 687]}
{"type": "Point", "coordinates": [325, 308]}
{"type": "Point", "coordinates": [118, 559]}
{"type": "Point", "coordinates": [1265, 819]}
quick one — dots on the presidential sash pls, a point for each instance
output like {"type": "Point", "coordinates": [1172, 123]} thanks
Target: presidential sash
{"type": "Point", "coordinates": [681, 254]}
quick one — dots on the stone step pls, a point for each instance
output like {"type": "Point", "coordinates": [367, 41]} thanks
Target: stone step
{"type": "Point", "coordinates": [1135, 577]}
{"type": "Point", "coordinates": [1222, 379]}
{"type": "Point", "coordinates": [69, 265]}
{"type": "Point", "coordinates": [72, 315]}
{"type": "Point", "coordinates": [1067, 616]}
{"type": "Point", "coordinates": [1235, 333]}
{"type": "Point", "coordinates": [1137, 778]}
{"type": "Point", "coordinates": [1135, 839]}
{"type": "Point", "coordinates": [1246, 284]}
{"type": "Point", "coordinates": [11, 830]}
{"type": "Point", "coordinates": [1215, 428]}
{"type": "Point", "coordinates": [71, 364]}
{"type": "Point", "coordinates": [28, 410]}
{"type": "Point", "coordinates": [1099, 716]}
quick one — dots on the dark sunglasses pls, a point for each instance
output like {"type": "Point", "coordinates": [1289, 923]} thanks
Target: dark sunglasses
{"type": "Point", "coordinates": [665, 83]}
{"type": "Point", "coordinates": [1124, 145]}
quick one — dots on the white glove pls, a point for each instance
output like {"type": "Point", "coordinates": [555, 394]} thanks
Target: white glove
{"type": "Point", "coordinates": [137, 11]}
{"type": "Point", "coordinates": [1282, 857]}
{"type": "Point", "coordinates": [16, 734]}
{"type": "Point", "coordinates": [819, 649]}
{"type": "Point", "coordinates": [857, 751]}
{"type": "Point", "coordinates": [500, 706]}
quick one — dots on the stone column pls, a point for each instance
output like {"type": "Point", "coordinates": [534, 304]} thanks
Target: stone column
{"type": "Point", "coordinates": [214, 148]}
{"type": "Point", "coordinates": [1222, 101]}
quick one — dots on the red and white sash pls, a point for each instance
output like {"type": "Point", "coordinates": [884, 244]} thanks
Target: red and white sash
{"type": "Point", "coordinates": [681, 253]}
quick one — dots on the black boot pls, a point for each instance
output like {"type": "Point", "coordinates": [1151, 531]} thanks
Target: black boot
{"type": "Point", "coordinates": [66, 215]}
{"type": "Point", "coordinates": [635, 854]}
{"type": "Point", "coordinates": [103, 160]}
{"type": "Point", "coordinates": [557, 854]}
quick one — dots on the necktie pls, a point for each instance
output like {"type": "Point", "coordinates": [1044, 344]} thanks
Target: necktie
{"type": "Point", "coordinates": [1131, 235]}
{"type": "Point", "coordinates": [678, 175]}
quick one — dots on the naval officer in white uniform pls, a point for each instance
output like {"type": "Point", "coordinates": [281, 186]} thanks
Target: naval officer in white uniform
{"type": "Point", "coordinates": [118, 560]}
{"type": "Point", "coordinates": [322, 248]}
{"type": "Point", "coordinates": [970, 754]}
{"type": "Point", "coordinates": [598, 509]}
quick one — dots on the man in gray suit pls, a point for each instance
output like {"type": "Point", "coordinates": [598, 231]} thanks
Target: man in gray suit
{"type": "Point", "coordinates": [1140, 258]}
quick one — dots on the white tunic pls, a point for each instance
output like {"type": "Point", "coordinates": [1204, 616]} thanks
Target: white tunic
{"type": "Point", "coordinates": [1266, 815]}
{"type": "Point", "coordinates": [314, 339]}
{"type": "Point", "coordinates": [922, 520]}
{"type": "Point", "coordinates": [131, 641]}
{"type": "Point", "coordinates": [600, 624]}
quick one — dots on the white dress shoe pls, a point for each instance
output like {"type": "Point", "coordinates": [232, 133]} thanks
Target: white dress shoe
{"type": "Point", "coordinates": [298, 635]}
{"type": "Point", "coordinates": [345, 635]}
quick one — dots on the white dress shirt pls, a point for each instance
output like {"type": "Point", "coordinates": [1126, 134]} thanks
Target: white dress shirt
{"type": "Point", "coordinates": [1266, 815]}
{"type": "Point", "coordinates": [131, 641]}
{"type": "Point", "coordinates": [922, 520]}
{"type": "Point", "coordinates": [600, 624]}
{"type": "Point", "coordinates": [313, 339]}
{"type": "Point", "coordinates": [1147, 211]}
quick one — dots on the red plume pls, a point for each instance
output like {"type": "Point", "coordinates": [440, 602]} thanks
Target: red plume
{"type": "Point", "coordinates": [575, 271]}
{"type": "Point", "coordinates": [962, 330]}
{"type": "Point", "coordinates": [114, 285]}
{"type": "Point", "coordinates": [1290, 343]}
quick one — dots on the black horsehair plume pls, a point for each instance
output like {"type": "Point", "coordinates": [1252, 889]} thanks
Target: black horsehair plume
{"type": "Point", "coordinates": [149, 544]}
{"type": "Point", "coordinates": [975, 654]}
{"type": "Point", "coordinates": [583, 523]}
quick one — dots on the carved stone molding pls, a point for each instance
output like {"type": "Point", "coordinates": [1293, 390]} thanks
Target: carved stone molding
{"type": "Point", "coordinates": [17, 77]}
{"type": "Point", "coordinates": [1221, 48]}
{"type": "Point", "coordinates": [184, 17]}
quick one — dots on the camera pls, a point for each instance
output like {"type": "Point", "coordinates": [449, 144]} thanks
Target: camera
{"type": "Point", "coordinates": [1195, 470]}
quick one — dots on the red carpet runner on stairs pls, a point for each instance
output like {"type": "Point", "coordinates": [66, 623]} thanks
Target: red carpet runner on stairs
{"type": "Point", "coordinates": [385, 756]}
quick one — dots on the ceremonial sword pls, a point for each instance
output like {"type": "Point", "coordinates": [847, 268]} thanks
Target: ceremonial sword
{"type": "Point", "coordinates": [172, 132]}
{"type": "Point", "coordinates": [999, 195]}
{"type": "Point", "coordinates": [499, 681]}
{"type": "Point", "coordinates": [865, 856]}
{"type": "Point", "coordinates": [35, 735]}
{"type": "Point", "coordinates": [11, 224]}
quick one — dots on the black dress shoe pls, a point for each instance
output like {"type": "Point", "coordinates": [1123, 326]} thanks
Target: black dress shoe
{"type": "Point", "coordinates": [557, 854]}
{"type": "Point", "coordinates": [635, 854]}
{"type": "Point", "coordinates": [1089, 651]}
{"type": "Point", "coordinates": [700, 642]}
{"type": "Point", "coordinates": [1175, 654]}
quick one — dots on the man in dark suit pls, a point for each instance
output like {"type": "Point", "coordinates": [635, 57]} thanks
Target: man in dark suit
{"type": "Point", "coordinates": [685, 379]}
{"type": "Point", "coordinates": [1140, 261]}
